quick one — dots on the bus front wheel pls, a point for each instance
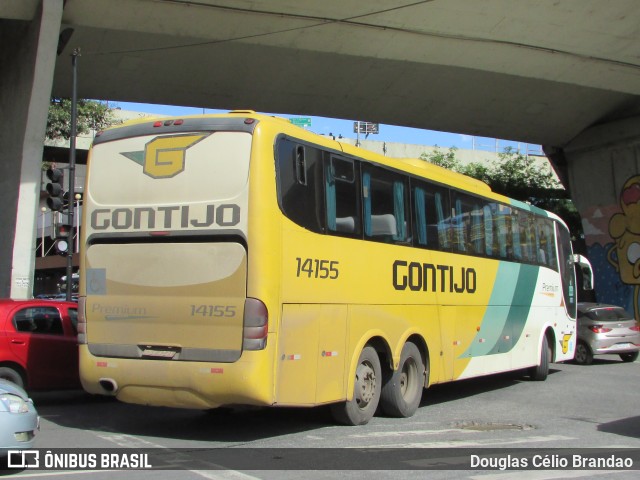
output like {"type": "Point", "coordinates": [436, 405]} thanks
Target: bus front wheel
{"type": "Point", "coordinates": [366, 394]}
{"type": "Point", "coordinates": [402, 390]}
{"type": "Point", "coordinates": [540, 371]}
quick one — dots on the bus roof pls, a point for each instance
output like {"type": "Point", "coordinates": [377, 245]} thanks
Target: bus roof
{"type": "Point", "coordinates": [416, 166]}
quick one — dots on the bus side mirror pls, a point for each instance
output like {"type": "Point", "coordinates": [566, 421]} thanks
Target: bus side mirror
{"type": "Point", "coordinates": [587, 271]}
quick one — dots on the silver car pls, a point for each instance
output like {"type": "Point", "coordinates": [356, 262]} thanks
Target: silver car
{"type": "Point", "coordinates": [18, 417]}
{"type": "Point", "coordinates": [606, 329]}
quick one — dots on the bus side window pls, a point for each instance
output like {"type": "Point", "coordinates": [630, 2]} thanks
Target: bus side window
{"type": "Point", "coordinates": [502, 229]}
{"type": "Point", "coordinates": [516, 234]}
{"type": "Point", "coordinates": [532, 244]}
{"type": "Point", "coordinates": [420, 208]}
{"type": "Point", "coordinates": [460, 220]}
{"type": "Point", "coordinates": [478, 238]}
{"type": "Point", "coordinates": [299, 181]}
{"type": "Point", "coordinates": [469, 233]}
{"type": "Point", "coordinates": [432, 216]}
{"type": "Point", "coordinates": [385, 205]}
{"type": "Point", "coordinates": [545, 242]}
{"type": "Point", "coordinates": [488, 230]}
{"type": "Point", "coordinates": [443, 207]}
{"type": "Point", "coordinates": [342, 196]}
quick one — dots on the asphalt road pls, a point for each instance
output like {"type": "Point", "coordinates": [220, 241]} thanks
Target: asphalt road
{"type": "Point", "coordinates": [577, 407]}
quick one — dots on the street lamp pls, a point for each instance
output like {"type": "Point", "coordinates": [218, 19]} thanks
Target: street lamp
{"type": "Point", "coordinates": [72, 159]}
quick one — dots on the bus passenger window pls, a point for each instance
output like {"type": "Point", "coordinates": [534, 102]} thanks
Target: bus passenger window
{"type": "Point", "coordinates": [444, 220]}
{"type": "Point", "coordinates": [419, 199]}
{"type": "Point", "coordinates": [502, 229]}
{"type": "Point", "coordinates": [515, 235]}
{"type": "Point", "coordinates": [460, 221]}
{"type": "Point", "coordinates": [385, 203]}
{"type": "Point", "coordinates": [469, 228]}
{"type": "Point", "coordinates": [488, 231]}
{"type": "Point", "coordinates": [477, 230]}
{"type": "Point", "coordinates": [342, 197]}
{"type": "Point", "coordinates": [432, 226]}
{"type": "Point", "coordinates": [546, 243]}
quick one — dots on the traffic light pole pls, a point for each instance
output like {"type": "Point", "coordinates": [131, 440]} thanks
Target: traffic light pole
{"type": "Point", "coordinates": [72, 166]}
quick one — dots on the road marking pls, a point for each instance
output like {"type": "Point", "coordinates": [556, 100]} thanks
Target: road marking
{"type": "Point", "coordinates": [128, 441]}
{"type": "Point", "coordinates": [223, 475]}
{"type": "Point", "coordinates": [219, 475]}
{"type": "Point", "coordinates": [61, 473]}
{"type": "Point", "coordinates": [218, 471]}
{"type": "Point", "coordinates": [406, 433]}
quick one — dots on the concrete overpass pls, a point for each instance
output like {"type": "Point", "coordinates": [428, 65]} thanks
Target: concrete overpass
{"type": "Point", "coordinates": [564, 74]}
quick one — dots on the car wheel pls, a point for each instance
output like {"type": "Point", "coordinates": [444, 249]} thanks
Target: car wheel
{"type": "Point", "coordinates": [8, 373]}
{"type": "Point", "coordinates": [584, 355]}
{"type": "Point", "coordinates": [629, 357]}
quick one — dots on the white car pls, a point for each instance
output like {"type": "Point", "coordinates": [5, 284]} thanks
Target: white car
{"type": "Point", "coordinates": [18, 418]}
{"type": "Point", "coordinates": [606, 329]}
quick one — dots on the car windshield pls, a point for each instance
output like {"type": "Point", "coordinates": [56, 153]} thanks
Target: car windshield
{"type": "Point", "coordinates": [607, 314]}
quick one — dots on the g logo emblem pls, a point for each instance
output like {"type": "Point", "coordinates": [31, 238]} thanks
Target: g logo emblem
{"type": "Point", "coordinates": [164, 157]}
{"type": "Point", "coordinates": [565, 342]}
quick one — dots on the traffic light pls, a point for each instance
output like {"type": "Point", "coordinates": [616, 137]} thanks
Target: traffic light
{"type": "Point", "coordinates": [63, 238]}
{"type": "Point", "coordinates": [63, 230]}
{"type": "Point", "coordinates": [55, 201]}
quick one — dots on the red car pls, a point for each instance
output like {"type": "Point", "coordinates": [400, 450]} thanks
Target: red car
{"type": "Point", "coordinates": [38, 344]}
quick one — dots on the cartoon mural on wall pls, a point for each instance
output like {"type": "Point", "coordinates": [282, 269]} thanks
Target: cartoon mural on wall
{"type": "Point", "coordinates": [624, 228]}
{"type": "Point", "coordinates": [613, 240]}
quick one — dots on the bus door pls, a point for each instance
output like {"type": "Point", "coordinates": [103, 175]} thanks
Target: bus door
{"type": "Point", "coordinates": [567, 272]}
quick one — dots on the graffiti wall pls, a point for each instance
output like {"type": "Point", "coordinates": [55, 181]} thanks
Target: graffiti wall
{"type": "Point", "coordinates": [604, 178]}
{"type": "Point", "coordinates": [612, 234]}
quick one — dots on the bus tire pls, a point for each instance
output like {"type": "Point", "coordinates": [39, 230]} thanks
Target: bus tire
{"type": "Point", "coordinates": [402, 390]}
{"type": "Point", "coordinates": [539, 372]}
{"type": "Point", "coordinates": [366, 391]}
{"type": "Point", "coordinates": [13, 375]}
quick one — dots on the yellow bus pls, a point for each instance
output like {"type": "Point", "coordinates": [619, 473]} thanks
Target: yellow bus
{"type": "Point", "coordinates": [238, 259]}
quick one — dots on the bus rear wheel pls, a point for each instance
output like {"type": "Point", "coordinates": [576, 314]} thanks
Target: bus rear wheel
{"type": "Point", "coordinates": [402, 391]}
{"type": "Point", "coordinates": [366, 393]}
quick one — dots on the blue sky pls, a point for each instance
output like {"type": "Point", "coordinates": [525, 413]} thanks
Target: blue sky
{"type": "Point", "coordinates": [325, 126]}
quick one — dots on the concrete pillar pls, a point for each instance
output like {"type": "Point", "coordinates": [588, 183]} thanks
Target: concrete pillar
{"type": "Point", "coordinates": [27, 56]}
{"type": "Point", "coordinates": [603, 166]}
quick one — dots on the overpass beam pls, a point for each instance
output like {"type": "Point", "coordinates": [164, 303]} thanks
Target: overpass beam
{"type": "Point", "coordinates": [28, 56]}
{"type": "Point", "coordinates": [603, 166]}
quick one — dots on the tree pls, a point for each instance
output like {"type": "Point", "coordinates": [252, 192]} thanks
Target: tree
{"type": "Point", "coordinates": [446, 160]}
{"type": "Point", "coordinates": [519, 177]}
{"type": "Point", "coordinates": [91, 115]}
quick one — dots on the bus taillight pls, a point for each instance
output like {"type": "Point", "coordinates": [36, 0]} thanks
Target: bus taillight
{"type": "Point", "coordinates": [256, 325]}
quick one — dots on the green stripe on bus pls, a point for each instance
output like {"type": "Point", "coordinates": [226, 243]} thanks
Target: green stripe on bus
{"type": "Point", "coordinates": [508, 309]}
{"type": "Point", "coordinates": [519, 309]}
